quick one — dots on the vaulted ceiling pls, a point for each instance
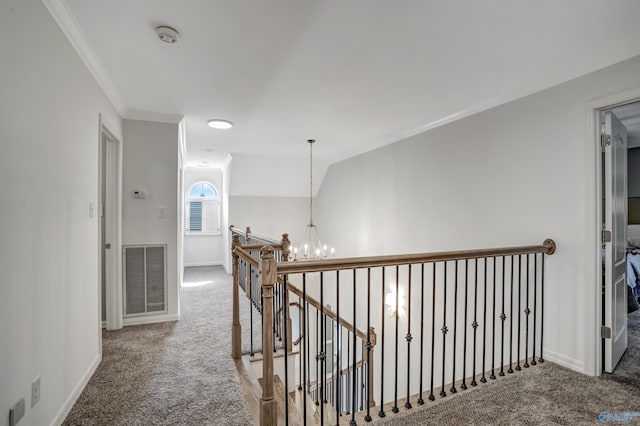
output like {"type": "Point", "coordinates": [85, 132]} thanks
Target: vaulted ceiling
{"type": "Point", "coordinates": [355, 75]}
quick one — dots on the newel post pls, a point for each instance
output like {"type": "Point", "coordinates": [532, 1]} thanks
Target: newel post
{"type": "Point", "coordinates": [246, 235]}
{"type": "Point", "coordinates": [286, 247]}
{"type": "Point", "coordinates": [268, 404]}
{"type": "Point", "coordinates": [236, 342]}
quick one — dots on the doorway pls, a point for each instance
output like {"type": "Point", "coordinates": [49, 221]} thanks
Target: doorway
{"type": "Point", "coordinates": [619, 129]}
{"type": "Point", "coordinates": [109, 241]}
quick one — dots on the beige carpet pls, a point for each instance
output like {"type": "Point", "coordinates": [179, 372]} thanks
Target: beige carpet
{"type": "Point", "coordinates": [178, 373]}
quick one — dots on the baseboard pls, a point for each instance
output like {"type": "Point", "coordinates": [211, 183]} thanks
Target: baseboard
{"type": "Point", "coordinates": [150, 319]}
{"type": "Point", "coordinates": [186, 265]}
{"type": "Point", "coordinates": [565, 361]}
{"type": "Point", "coordinates": [77, 391]}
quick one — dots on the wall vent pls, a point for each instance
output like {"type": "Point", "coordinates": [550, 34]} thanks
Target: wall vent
{"type": "Point", "coordinates": [145, 279]}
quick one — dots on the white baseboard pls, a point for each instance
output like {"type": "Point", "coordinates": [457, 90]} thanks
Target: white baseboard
{"type": "Point", "coordinates": [564, 361]}
{"type": "Point", "coordinates": [77, 391]}
{"type": "Point", "coordinates": [218, 263]}
{"type": "Point", "coordinates": [150, 319]}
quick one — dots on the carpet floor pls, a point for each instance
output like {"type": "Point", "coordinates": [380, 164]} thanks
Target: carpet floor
{"type": "Point", "coordinates": [175, 373]}
{"type": "Point", "coordinates": [628, 370]}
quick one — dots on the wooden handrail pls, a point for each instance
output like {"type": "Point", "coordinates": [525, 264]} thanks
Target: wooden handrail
{"type": "Point", "coordinates": [246, 255]}
{"type": "Point", "coordinates": [297, 267]}
{"type": "Point", "coordinates": [313, 302]}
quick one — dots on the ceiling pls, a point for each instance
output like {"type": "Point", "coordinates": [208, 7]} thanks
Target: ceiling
{"type": "Point", "coordinates": [355, 75]}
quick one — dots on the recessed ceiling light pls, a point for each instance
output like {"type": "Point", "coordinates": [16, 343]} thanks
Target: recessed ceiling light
{"type": "Point", "coordinates": [209, 150]}
{"type": "Point", "coordinates": [218, 123]}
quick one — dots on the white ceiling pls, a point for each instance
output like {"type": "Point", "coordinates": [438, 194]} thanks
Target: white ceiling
{"type": "Point", "coordinates": [354, 75]}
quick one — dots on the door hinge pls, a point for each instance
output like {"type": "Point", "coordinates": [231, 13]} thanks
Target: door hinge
{"type": "Point", "coordinates": [605, 332]}
{"type": "Point", "coordinates": [606, 236]}
{"type": "Point", "coordinates": [605, 140]}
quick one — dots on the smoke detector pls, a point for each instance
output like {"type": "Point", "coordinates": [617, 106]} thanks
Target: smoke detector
{"type": "Point", "coordinates": [167, 34]}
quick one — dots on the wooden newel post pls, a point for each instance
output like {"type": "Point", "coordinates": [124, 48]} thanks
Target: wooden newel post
{"type": "Point", "coordinates": [236, 332]}
{"type": "Point", "coordinates": [268, 404]}
{"type": "Point", "coordinates": [286, 247]}
{"type": "Point", "coordinates": [246, 233]}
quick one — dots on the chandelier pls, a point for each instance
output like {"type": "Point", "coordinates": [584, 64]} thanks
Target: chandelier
{"type": "Point", "coordinates": [310, 247]}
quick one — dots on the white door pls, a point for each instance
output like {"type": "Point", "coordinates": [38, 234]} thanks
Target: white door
{"type": "Point", "coordinates": [615, 191]}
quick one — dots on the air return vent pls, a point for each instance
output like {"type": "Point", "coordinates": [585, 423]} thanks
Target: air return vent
{"type": "Point", "coordinates": [145, 280]}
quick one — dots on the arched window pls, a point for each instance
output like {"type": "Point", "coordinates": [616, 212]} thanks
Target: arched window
{"type": "Point", "coordinates": [203, 209]}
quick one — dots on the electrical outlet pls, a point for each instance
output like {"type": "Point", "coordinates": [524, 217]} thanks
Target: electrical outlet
{"type": "Point", "coordinates": [35, 391]}
{"type": "Point", "coordinates": [16, 412]}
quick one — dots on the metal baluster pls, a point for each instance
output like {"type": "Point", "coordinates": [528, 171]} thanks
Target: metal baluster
{"type": "Point", "coordinates": [355, 350]}
{"type": "Point", "coordinates": [483, 379]}
{"type": "Point", "coordinates": [251, 353]}
{"type": "Point", "coordinates": [493, 326]}
{"type": "Point", "coordinates": [286, 362]}
{"type": "Point", "coordinates": [455, 322]}
{"type": "Point", "coordinates": [463, 386]}
{"type": "Point", "coordinates": [397, 315]}
{"type": "Point", "coordinates": [381, 412]}
{"type": "Point", "coordinates": [433, 330]}
{"type": "Point", "coordinates": [519, 306]}
{"type": "Point", "coordinates": [474, 324]}
{"type": "Point", "coordinates": [444, 328]}
{"type": "Point", "coordinates": [318, 354]}
{"type": "Point", "coordinates": [339, 349]}
{"type": "Point", "coordinates": [305, 358]}
{"type": "Point", "coordinates": [301, 336]}
{"type": "Point", "coordinates": [361, 369]}
{"type": "Point", "coordinates": [510, 370]}
{"type": "Point", "coordinates": [322, 354]}
{"type": "Point", "coordinates": [503, 317]}
{"type": "Point", "coordinates": [527, 312]}
{"type": "Point", "coordinates": [535, 306]}
{"type": "Point", "coordinates": [348, 384]}
{"type": "Point", "coordinates": [367, 418]}
{"type": "Point", "coordinates": [409, 339]}
{"type": "Point", "coordinates": [541, 359]}
{"type": "Point", "coordinates": [420, 400]}
{"type": "Point", "coordinates": [275, 315]}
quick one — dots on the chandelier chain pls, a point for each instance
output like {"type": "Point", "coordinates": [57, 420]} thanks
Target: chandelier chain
{"type": "Point", "coordinates": [311, 141]}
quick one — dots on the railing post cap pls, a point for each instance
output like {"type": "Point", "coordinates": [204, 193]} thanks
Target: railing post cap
{"type": "Point", "coordinates": [267, 252]}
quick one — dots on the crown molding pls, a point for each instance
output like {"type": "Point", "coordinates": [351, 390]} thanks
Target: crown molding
{"type": "Point", "coordinates": [67, 22]}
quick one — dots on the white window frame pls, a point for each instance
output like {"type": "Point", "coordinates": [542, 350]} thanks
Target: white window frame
{"type": "Point", "coordinates": [187, 216]}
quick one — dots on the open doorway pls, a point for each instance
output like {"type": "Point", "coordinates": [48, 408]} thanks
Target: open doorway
{"type": "Point", "coordinates": [109, 240]}
{"type": "Point", "coordinates": [620, 285]}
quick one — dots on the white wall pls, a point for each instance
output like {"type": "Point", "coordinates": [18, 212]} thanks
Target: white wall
{"type": "Point", "coordinates": [513, 175]}
{"type": "Point", "coordinates": [151, 164]}
{"type": "Point", "coordinates": [270, 216]}
{"type": "Point", "coordinates": [226, 184]}
{"type": "Point", "coordinates": [200, 250]}
{"type": "Point", "coordinates": [49, 128]}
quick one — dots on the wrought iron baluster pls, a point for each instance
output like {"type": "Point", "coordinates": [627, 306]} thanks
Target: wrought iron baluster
{"type": "Point", "coordinates": [455, 333]}
{"type": "Point", "coordinates": [433, 330]}
{"type": "Point", "coordinates": [322, 355]}
{"type": "Point", "coordinates": [519, 307]}
{"type": "Point", "coordinates": [367, 417]}
{"type": "Point", "coordinates": [381, 413]}
{"type": "Point", "coordinates": [420, 400]}
{"type": "Point", "coordinates": [535, 305]}
{"type": "Point", "coordinates": [444, 329]}
{"type": "Point", "coordinates": [286, 360]}
{"type": "Point", "coordinates": [503, 317]}
{"type": "Point", "coordinates": [251, 353]}
{"type": "Point", "coordinates": [541, 359]}
{"type": "Point", "coordinates": [483, 379]}
{"type": "Point", "coordinates": [409, 338]}
{"type": "Point", "coordinates": [474, 324]}
{"type": "Point", "coordinates": [527, 311]}
{"type": "Point", "coordinates": [355, 350]}
{"type": "Point", "coordinates": [305, 358]}
{"type": "Point", "coordinates": [397, 315]}
{"type": "Point", "coordinates": [463, 386]}
{"type": "Point", "coordinates": [510, 370]}
{"type": "Point", "coordinates": [339, 349]}
{"type": "Point", "coordinates": [493, 326]}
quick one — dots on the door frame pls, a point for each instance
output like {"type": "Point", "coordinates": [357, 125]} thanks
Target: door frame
{"type": "Point", "coordinates": [113, 291]}
{"type": "Point", "coordinates": [593, 110]}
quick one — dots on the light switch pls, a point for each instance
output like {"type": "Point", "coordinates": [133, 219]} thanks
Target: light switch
{"type": "Point", "coordinates": [161, 212]}
{"type": "Point", "coordinates": [91, 210]}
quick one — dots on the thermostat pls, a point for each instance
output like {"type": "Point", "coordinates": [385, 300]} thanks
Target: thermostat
{"type": "Point", "coordinates": [138, 193]}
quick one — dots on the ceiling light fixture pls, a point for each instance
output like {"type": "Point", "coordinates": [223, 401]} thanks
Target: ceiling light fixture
{"type": "Point", "coordinates": [218, 123]}
{"type": "Point", "coordinates": [167, 34]}
{"type": "Point", "coordinates": [311, 248]}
